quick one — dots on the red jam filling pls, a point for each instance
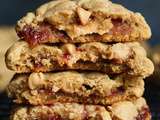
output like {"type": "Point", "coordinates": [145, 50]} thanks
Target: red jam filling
{"type": "Point", "coordinates": [120, 28]}
{"type": "Point", "coordinates": [66, 56]}
{"type": "Point", "coordinates": [143, 114]}
{"type": "Point", "coordinates": [80, 49]}
{"type": "Point", "coordinates": [45, 32]}
{"type": "Point", "coordinates": [43, 116]}
{"type": "Point", "coordinates": [57, 117]}
{"type": "Point", "coordinates": [35, 36]}
{"type": "Point", "coordinates": [119, 90]}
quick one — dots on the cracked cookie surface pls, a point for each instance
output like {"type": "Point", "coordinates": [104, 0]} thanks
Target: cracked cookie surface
{"type": "Point", "coordinates": [80, 87]}
{"type": "Point", "coordinates": [79, 21]}
{"type": "Point", "coordinates": [129, 58]}
{"type": "Point", "coordinates": [126, 110]}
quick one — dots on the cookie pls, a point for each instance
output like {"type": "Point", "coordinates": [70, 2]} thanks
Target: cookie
{"type": "Point", "coordinates": [79, 21]}
{"type": "Point", "coordinates": [70, 86]}
{"type": "Point", "coordinates": [126, 110]}
{"type": "Point", "coordinates": [7, 36]}
{"type": "Point", "coordinates": [129, 58]}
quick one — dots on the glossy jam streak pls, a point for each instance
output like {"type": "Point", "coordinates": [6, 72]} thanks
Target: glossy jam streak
{"type": "Point", "coordinates": [44, 32]}
{"type": "Point", "coordinates": [66, 56]}
{"type": "Point", "coordinates": [35, 36]}
{"type": "Point", "coordinates": [56, 117]}
{"type": "Point", "coordinates": [42, 116]}
{"type": "Point", "coordinates": [80, 49]}
{"type": "Point", "coordinates": [143, 114]}
{"type": "Point", "coordinates": [119, 90]}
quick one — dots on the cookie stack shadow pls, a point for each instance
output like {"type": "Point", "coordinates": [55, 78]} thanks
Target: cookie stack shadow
{"type": "Point", "coordinates": [80, 60]}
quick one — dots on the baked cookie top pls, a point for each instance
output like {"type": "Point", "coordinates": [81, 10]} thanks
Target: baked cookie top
{"type": "Point", "coordinates": [82, 21]}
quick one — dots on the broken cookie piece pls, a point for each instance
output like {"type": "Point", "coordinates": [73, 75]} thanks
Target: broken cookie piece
{"type": "Point", "coordinates": [79, 87]}
{"type": "Point", "coordinates": [126, 110]}
{"type": "Point", "coordinates": [129, 58]}
{"type": "Point", "coordinates": [79, 21]}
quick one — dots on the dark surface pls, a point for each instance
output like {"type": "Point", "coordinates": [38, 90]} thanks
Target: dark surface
{"type": "Point", "coordinates": [151, 94]}
{"type": "Point", "coordinates": [5, 107]}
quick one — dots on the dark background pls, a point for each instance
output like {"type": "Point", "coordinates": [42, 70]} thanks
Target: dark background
{"type": "Point", "coordinates": [13, 10]}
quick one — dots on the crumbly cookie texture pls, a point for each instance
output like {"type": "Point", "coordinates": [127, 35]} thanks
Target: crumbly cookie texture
{"type": "Point", "coordinates": [126, 110]}
{"type": "Point", "coordinates": [71, 86]}
{"type": "Point", "coordinates": [111, 59]}
{"type": "Point", "coordinates": [82, 21]}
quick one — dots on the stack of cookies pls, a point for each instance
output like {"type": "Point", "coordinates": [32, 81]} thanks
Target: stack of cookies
{"type": "Point", "coordinates": [80, 60]}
